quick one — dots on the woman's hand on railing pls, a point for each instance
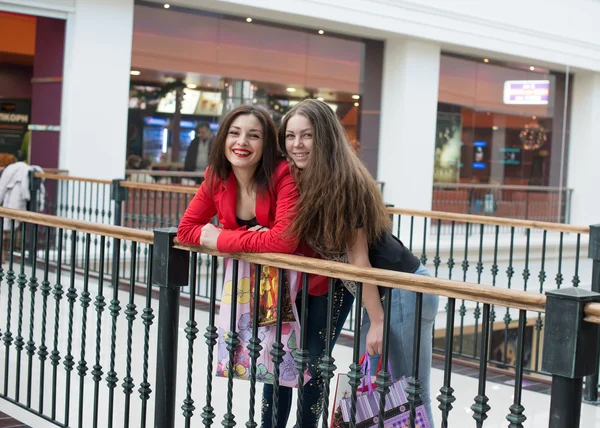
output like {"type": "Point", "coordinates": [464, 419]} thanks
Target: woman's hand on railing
{"type": "Point", "coordinates": [209, 236]}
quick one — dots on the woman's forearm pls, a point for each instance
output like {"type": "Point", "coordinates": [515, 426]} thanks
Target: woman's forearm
{"type": "Point", "coordinates": [372, 302]}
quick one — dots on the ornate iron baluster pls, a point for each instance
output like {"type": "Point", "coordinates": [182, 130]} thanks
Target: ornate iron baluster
{"type": "Point", "coordinates": [211, 336]}
{"type": "Point", "coordinates": [355, 375]}
{"type": "Point", "coordinates": [255, 347]}
{"type": "Point", "coordinates": [481, 408]}
{"type": "Point", "coordinates": [33, 285]}
{"type": "Point", "coordinates": [424, 253]}
{"type": "Point", "coordinates": [451, 258]}
{"type": "Point", "coordinates": [71, 298]}
{"type": "Point", "coordinates": [130, 313]}
{"type": "Point", "coordinates": [436, 260]}
{"type": "Point", "coordinates": [384, 381]}
{"type": "Point", "coordinates": [526, 272]}
{"type": "Point", "coordinates": [446, 397]}
{"type": "Point", "coordinates": [232, 344]}
{"type": "Point", "coordinates": [191, 332]}
{"type": "Point", "coordinates": [85, 300]}
{"type": "Point", "coordinates": [559, 276]}
{"type": "Point", "coordinates": [576, 281]}
{"type": "Point", "coordinates": [414, 389]}
{"type": "Point", "coordinates": [539, 323]}
{"type": "Point", "coordinates": [479, 269]}
{"type": "Point", "coordinates": [412, 227]}
{"type": "Point", "coordinates": [147, 317]}
{"type": "Point", "coordinates": [494, 271]}
{"type": "Point", "coordinates": [301, 356]}
{"type": "Point", "coordinates": [509, 273]}
{"type": "Point", "coordinates": [100, 305]}
{"type": "Point", "coordinates": [45, 291]}
{"type": "Point", "coordinates": [58, 293]}
{"type": "Point", "coordinates": [327, 365]}
{"type": "Point", "coordinates": [10, 280]}
{"type": "Point", "coordinates": [463, 309]}
{"type": "Point", "coordinates": [114, 309]}
{"type": "Point", "coordinates": [516, 416]}
{"type": "Point", "coordinates": [21, 284]}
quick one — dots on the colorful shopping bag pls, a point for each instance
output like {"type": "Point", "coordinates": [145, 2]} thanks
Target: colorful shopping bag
{"type": "Point", "coordinates": [269, 293]}
{"type": "Point", "coordinates": [397, 409]}
{"type": "Point", "coordinates": [266, 333]}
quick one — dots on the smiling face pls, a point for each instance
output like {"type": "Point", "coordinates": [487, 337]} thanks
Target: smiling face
{"type": "Point", "coordinates": [299, 140]}
{"type": "Point", "coordinates": [244, 143]}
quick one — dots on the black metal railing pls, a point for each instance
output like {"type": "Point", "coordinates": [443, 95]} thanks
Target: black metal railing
{"type": "Point", "coordinates": [538, 203]}
{"type": "Point", "coordinates": [524, 255]}
{"type": "Point", "coordinates": [96, 361]}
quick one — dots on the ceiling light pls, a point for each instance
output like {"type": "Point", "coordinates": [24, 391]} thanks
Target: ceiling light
{"type": "Point", "coordinates": [291, 89]}
{"type": "Point", "coordinates": [486, 60]}
{"type": "Point", "coordinates": [276, 106]}
{"type": "Point", "coordinates": [356, 97]}
{"type": "Point", "coordinates": [135, 72]}
{"type": "Point", "coordinates": [254, 100]}
{"type": "Point", "coordinates": [248, 19]}
{"type": "Point", "coordinates": [494, 128]}
{"type": "Point", "coordinates": [167, 5]}
{"type": "Point", "coordinates": [534, 117]}
{"type": "Point", "coordinates": [532, 68]}
{"type": "Point", "coordinates": [226, 85]}
{"type": "Point", "coordinates": [192, 85]}
{"type": "Point", "coordinates": [321, 99]}
{"type": "Point", "coordinates": [321, 32]}
{"type": "Point", "coordinates": [356, 104]}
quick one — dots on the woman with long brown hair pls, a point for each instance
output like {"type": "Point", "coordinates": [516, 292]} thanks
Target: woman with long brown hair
{"type": "Point", "coordinates": [341, 215]}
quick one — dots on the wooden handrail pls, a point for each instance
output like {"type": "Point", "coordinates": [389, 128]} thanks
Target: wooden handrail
{"type": "Point", "coordinates": [176, 174]}
{"type": "Point", "coordinates": [119, 232]}
{"type": "Point", "coordinates": [500, 187]}
{"type": "Point", "coordinates": [494, 221]}
{"type": "Point", "coordinates": [188, 190]}
{"type": "Point", "coordinates": [60, 177]}
{"type": "Point", "coordinates": [442, 287]}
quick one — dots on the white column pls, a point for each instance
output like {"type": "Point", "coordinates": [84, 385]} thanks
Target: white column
{"type": "Point", "coordinates": [96, 88]}
{"type": "Point", "coordinates": [584, 149]}
{"type": "Point", "coordinates": [408, 120]}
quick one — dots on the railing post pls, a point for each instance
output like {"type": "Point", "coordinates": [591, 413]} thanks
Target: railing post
{"type": "Point", "coordinates": [170, 272]}
{"type": "Point", "coordinates": [591, 382]}
{"type": "Point", "coordinates": [34, 189]}
{"type": "Point", "coordinates": [118, 195]}
{"type": "Point", "coordinates": [570, 352]}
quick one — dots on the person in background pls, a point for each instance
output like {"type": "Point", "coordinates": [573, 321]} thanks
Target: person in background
{"type": "Point", "coordinates": [197, 156]}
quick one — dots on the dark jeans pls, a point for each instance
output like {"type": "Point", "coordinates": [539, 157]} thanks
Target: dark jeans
{"type": "Point", "coordinates": [315, 338]}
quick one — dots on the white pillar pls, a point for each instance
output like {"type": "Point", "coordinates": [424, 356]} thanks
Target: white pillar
{"type": "Point", "coordinates": [408, 119]}
{"type": "Point", "coordinates": [584, 149]}
{"type": "Point", "coordinates": [96, 88]}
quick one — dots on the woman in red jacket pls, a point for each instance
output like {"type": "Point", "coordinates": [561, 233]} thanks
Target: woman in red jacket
{"type": "Point", "coordinates": [249, 184]}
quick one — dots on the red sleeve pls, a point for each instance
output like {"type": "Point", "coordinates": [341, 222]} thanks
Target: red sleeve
{"type": "Point", "coordinates": [200, 212]}
{"type": "Point", "coordinates": [275, 240]}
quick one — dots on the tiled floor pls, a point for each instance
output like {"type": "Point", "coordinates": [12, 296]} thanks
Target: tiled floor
{"type": "Point", "coordinates": [8, 422]}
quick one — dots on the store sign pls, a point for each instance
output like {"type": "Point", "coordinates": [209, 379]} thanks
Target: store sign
{"type": "Point", "coordinates": [529, 92]}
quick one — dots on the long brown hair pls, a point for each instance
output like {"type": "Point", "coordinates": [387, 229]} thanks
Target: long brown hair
{"type": "Point", "coordinates": [337, 193]}
{"type": "Point", "coordinates": [221, 167]}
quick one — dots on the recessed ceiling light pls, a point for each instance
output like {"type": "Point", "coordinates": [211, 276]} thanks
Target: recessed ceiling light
{"type": "Point", "coordinates": [291, 89]}
{"type": "Point", "coordinates": [534, 117]}
{"type": "Point", "coordinates": [486, 60]}
{"type": "Point", "coordinates": [321, 32]}
{"type": "Point", "coordinates": [226, 85]}
{"type": "Point", "coordinates": [532, 68]}
{"type": "Point", "coordinates": [494, 128]}
{"type": "Point", "coordinates": [276, 106]}
{"type": "Point", "coordinates": [356, 97]}
{"type": "Point", "coordinates": [135, 72]}
{"type": "Point", "coordinates": [321, 99]}
{"type": "Point", "coordinates": [167, 5]}
{"type": "Point", "coordinates": [356, 104]}
{"type": "Point", "coordinates": [192, 85]}
{"type": "Point", "coordinates": [254, 100]}
{"type": "Point", "coordinates": [248, 19]}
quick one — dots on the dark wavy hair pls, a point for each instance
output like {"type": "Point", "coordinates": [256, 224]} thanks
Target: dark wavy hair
{"type": "Point", "coordinates": [221, 167]}
{"type": "Point", "coordinates": [338, 195]}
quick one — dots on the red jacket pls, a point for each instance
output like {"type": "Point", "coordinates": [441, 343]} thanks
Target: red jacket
{"type": "Point", "coordinates": [273, 210]}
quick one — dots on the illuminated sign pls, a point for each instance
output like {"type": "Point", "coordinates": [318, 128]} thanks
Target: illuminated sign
{"type": "Point", "coordinates": [531, 92]}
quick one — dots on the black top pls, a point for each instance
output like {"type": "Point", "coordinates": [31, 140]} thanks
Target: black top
{"type": "Point", "coordinates": [248, 223]}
